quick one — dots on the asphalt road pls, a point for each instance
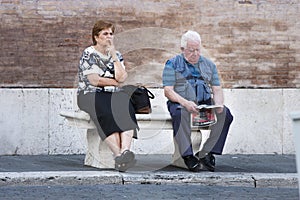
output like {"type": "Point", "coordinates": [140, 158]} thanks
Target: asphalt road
{"type": "Point", "coordinates": [271, 165]}
{"type": "Point", "coordinates": [145, 191]}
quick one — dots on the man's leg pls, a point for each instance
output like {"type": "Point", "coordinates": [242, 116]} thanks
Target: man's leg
{"type": "Point", "coordinates": [181, 129]}
{"type": "Point", "coordinates": [216, 141]}
{"type": "Point", "coordinates": [218, 147]}
{"type": "Point", "coordinates": [182, 135]}
{"type": "Point", "coordinates": [218, 134]}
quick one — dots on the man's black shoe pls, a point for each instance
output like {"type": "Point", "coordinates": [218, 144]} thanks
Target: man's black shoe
{"type": "Point", "coordinates": [206, 162]}
{"type": "Point", "coordinates": [192, 163]}
{"type": "Point", "coordinates": [212, 159]}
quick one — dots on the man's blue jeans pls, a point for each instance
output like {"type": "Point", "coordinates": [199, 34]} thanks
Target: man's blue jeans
{"type": "Point", "coordinates": [182, 130]}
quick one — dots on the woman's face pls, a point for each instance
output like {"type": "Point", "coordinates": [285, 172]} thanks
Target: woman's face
{"type": "Point", "coordinates": [105, 37]}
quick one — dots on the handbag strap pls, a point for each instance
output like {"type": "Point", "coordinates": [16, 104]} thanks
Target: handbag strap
{"type": "Point", "coordinates": [150, 94]}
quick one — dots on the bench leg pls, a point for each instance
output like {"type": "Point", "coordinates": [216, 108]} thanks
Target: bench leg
{"type": "Point", "coordinates": [177, 160]}
{"type": "Point", "coordinates": [98, 154]}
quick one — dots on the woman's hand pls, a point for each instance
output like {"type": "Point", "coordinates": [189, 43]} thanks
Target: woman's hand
{"type": "Point", "coordinates": [120, 72]}
{"type": "Point", "coordinates": [112, 51]}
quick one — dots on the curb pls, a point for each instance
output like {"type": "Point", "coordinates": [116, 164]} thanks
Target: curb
{"type": "Point", "coordinates": [286, 180]}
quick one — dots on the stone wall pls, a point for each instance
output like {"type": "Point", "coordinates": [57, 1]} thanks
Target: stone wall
{"type": "Point", "coordinates": [255, 43]}
{"type": "Point", "coordinates": [30, 123]}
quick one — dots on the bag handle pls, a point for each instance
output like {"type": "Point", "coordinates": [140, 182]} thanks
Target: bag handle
{"type": "Point", "coordinates": [150, 94]}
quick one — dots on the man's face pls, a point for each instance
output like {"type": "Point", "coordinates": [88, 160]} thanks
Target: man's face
{"type": "Point", "coordinates": [192, 51]}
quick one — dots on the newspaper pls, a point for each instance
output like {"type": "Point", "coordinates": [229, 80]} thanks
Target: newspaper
{"type": "Point", "coordinates": [204, 106]}
{"type": "Point", "coordinates": [205, 117]}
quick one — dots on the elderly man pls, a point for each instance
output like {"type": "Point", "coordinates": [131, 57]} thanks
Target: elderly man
{"type": "Point", "coordinates": [190, 79]}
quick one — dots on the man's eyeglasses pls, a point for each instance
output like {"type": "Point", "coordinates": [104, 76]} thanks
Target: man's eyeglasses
{"type": "Point", "coordinates": [193, 50]}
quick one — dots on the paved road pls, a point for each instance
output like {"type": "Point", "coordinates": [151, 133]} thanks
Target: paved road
{"type": "Point", "coordinates": [65, 177]}
{"type": "Point", "coordinates": [146, 191]}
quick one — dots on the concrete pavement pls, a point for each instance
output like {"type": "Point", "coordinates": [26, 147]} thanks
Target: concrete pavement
{"type": "Point", "coordinates": [231, 170]}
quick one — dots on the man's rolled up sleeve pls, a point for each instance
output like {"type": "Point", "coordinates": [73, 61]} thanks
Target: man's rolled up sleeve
{"type": "Point", "coordinates": [168, 76]}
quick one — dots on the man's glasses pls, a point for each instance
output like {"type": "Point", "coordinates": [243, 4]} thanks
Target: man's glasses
{"type": "Point", "coordinates": [193, 50]}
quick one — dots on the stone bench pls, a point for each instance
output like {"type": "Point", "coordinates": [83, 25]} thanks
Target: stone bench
{"type": "Point", "coordinates": [154, 128]}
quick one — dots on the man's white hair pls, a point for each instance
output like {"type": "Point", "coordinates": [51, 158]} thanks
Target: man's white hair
{"type": "Point", "coordinates": [189, 35]}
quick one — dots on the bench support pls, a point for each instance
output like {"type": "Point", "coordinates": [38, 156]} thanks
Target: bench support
{"type": "Point", "coordinates": [98, 154]}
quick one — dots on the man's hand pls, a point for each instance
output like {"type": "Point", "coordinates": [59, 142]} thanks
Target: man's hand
{"type": "Point", "coordinates": [190, 106]}
{"type": "Point", "coordinates": [219, 110]}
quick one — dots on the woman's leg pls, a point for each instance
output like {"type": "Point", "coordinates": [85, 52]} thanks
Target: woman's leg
{"type": "Point", "coordinates": [114, 143]}
{"type": "Point", "coordinates": [126, 139]}
{"type": "Point", "coordinates": [120, 143]}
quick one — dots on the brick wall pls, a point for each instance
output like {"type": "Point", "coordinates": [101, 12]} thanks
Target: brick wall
{"type": "Point", "coordinates": [254, 43]}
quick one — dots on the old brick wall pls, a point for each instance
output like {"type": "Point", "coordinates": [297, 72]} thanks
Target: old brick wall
{"type": "Point", "coordinates": [254, 43]}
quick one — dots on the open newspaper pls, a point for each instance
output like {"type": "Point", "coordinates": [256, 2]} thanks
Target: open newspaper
{"type": "Point", "coordinates": [205, 117]}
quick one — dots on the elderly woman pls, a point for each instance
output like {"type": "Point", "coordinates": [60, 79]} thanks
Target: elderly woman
{"type": "Point", "coordinates": [101, 71]}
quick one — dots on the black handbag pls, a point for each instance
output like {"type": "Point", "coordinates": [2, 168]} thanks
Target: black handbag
{"type": "Point", "coordinates": [140, 97]}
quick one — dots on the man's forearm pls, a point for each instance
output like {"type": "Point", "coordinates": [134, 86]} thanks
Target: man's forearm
{"type": "Point", "coordinates": [174, 97]}
{"type": "Point", "coordinates": [218, 97]}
